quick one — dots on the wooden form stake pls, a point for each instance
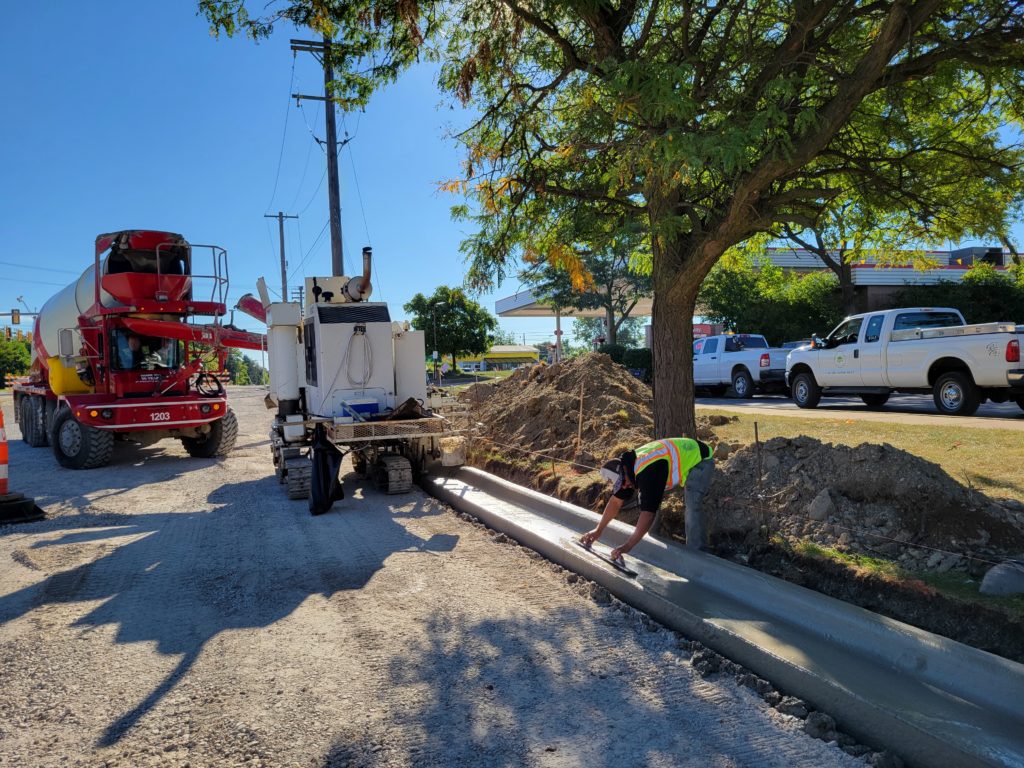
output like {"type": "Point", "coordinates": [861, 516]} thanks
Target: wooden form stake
{"type": "Point", "coordinates": [579, 430]}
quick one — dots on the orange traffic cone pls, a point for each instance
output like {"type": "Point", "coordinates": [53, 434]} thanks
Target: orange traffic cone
{"type": "Point", "coordinates": [14, 507]}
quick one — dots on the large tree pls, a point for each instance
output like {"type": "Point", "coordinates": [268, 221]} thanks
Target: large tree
{"type": "Point", "coordinates": [453, 323]}
{"type": "Point", "coordinates": [710, 120]}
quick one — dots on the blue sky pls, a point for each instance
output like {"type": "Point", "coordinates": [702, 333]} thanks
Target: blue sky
{"type": "Point", "coordinates": [128, 114]}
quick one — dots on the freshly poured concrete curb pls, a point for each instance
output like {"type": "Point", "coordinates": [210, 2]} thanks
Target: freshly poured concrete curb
{"type": "Point", "coordinates": [929, 699]}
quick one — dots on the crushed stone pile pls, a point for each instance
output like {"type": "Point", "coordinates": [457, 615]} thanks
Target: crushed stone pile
{"type": "Point", "coordinates": [872, 499]}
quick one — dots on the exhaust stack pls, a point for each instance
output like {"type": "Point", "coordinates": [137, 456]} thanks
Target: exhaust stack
{"type": "Point", "coordinates": [360, 288]}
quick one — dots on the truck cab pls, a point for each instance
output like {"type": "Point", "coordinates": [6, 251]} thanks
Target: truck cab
{"type": "Point", "coordinates": [914, 350]}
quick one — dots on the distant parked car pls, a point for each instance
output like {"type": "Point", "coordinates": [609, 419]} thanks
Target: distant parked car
{"type": "Point", "coordinates": [796, 344]}
{"type": "Point", "coordinates": [742, 360]}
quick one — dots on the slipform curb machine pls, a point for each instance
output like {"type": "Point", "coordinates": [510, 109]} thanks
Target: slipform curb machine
{"type": "Point", "coordinates": [342, 370]}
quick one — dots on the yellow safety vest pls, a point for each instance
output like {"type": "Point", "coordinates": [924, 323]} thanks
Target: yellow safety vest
{"type": "Point", "coordinates": [681, 453]}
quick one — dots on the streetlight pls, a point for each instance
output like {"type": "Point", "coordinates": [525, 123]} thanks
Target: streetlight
{"type": "Point", "coordinates": [433, 316]}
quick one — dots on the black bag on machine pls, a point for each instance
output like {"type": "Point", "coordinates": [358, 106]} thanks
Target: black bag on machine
{"type": "Point", "coordinates": [325, 485]}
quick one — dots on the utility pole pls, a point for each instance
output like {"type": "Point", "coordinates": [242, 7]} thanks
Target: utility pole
{"type": "Point", "coordinates": [322, 52]}
{"type": "Point", "coordinates": [280, 232]}
{"type": "Point", "coordinates": [298, 294]}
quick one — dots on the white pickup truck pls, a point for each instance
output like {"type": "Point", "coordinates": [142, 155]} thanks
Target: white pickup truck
{"type": "Point", "coordinates": [919, 350]}
{"type": "Point", "coordinates": [743, 361]}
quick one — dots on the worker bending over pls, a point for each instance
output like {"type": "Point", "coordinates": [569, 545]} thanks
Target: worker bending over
{"type": "Point", "coordinates": [651, 470]}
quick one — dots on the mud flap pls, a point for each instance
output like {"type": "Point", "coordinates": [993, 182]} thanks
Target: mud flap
{"type": "Point", "coordinates": [325, 485]}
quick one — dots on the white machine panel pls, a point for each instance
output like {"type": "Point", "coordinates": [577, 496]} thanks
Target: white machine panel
{"type": "Point", "coordinates": [282, 349]}
{"type": "Point", "coordinates": [410, 368]}
{"type": "Point", "coordinates": [350, 363]}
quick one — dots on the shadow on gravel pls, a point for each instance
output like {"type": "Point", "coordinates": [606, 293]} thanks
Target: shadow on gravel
{"type": "Point", "coordinates": [546, 690]}
{"type": "Point", "coordinates": [180, 578]}
{"type": "Point", "coordinates": [73, 487]}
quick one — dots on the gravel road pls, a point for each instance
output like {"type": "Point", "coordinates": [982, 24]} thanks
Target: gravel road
{"type": "Point", "coordinates": [182, 612]}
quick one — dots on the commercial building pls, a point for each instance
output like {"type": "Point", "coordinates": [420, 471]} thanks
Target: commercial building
{"type": "Point", "coordinates": [875, 286]}
{"type": "Point", "coordinates": [501, 357]}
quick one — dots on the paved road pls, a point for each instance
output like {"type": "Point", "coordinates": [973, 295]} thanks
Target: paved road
{"type": "Point", "coordinates": [176, 611]}
{"type": "Point", "coordinates": [905, 409]}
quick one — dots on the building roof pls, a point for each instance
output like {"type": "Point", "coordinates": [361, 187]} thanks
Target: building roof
{"type": "Point", "coordinates": [505, 349]}
{"type": "Point", "coordinates": [525, 304]}
{"type": "Point", "coordinates": [950, 265]}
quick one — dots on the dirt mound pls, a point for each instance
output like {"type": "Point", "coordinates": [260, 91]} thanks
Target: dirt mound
{"type": "Point", "coordinates": [873, 499]}
{"type": "Point", "coordinates": [538, 408]}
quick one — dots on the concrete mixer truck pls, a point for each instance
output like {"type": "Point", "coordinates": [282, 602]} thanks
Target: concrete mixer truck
{"type": "Point", "coordinates": [119, 355]}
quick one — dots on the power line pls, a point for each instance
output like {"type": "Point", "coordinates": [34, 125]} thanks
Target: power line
{"type": "Point", "coordinates": [284, 134]}
{"type": "Point", "coordinates": [311, 249]}
{"type": "Point", "coordinates": [315, 191]}
{"type": "Point", "coordinates": [309, 151]}
{"type": "Point", "coordinates": [39, 269]}
{"type": "Point", "coordinates": [37, 282]}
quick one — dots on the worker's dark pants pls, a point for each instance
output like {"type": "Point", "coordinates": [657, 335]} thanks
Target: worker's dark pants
{"type": "Point", "coordinates": [697, 483]}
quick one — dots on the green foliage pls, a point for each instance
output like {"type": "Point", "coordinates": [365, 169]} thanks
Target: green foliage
{"type": "Point", "coordinates": [603, 264]}
{"type": "Point", "coordinates": [454, 324]}
{"type": "Point", "coordinates": [257, 373]}
{"type": "Point", "coordinates": [985, 295]}
{"type": "Point", "coordinates": [615, 351]}
{"type": "Point", "coordinates": [501, 336]}
{"type": "Point", "coordinates": [245, 370]}
{"type": "Point", "coordinates": [640, 357]}
{"type": "Point", "coordinates": [631, 331]}
{"type": "Point", "coordinates": [374, 41]}
{"type": "Point", "coordinates": [15, 358]}
{"type": "Point", "coordinates": [780, 305]}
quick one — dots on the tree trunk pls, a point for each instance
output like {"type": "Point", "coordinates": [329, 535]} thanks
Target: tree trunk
{"type": "Point", "coordinates": [675, 301]}
{"type": "Point", "coordinates": [845, 273]}
{"type": "Point", "coordinates": [609, 322]}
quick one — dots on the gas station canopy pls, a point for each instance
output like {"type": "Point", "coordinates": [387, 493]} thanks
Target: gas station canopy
{"type": "Point", "coordinates": [525, 304]}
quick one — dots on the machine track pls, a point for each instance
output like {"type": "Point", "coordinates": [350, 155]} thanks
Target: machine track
{"type": "Point", "coordinates": [393, 474]}
{"type": "Point", "coordinates": [298, 476]}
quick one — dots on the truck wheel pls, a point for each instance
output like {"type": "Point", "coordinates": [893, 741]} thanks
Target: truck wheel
{"type": "Point", "coordinates": [875, 400]}
{"type": "Point", "coordinates": [40, 437]}
{"type": "Point", "coordinates": [217, 442]}
{"type": "Point", "coordinates": [742, 384]}
{"type": "Point", "coordinates": [956, 395]}
{"type": "Point", "coordinates": [25, 419]}
{"type": "Point", "coordinates": [78, 446]}
{"type": "Point", "coordinates": [805, 390]}
{"type": "Point", "coordinates": [31, 419]}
